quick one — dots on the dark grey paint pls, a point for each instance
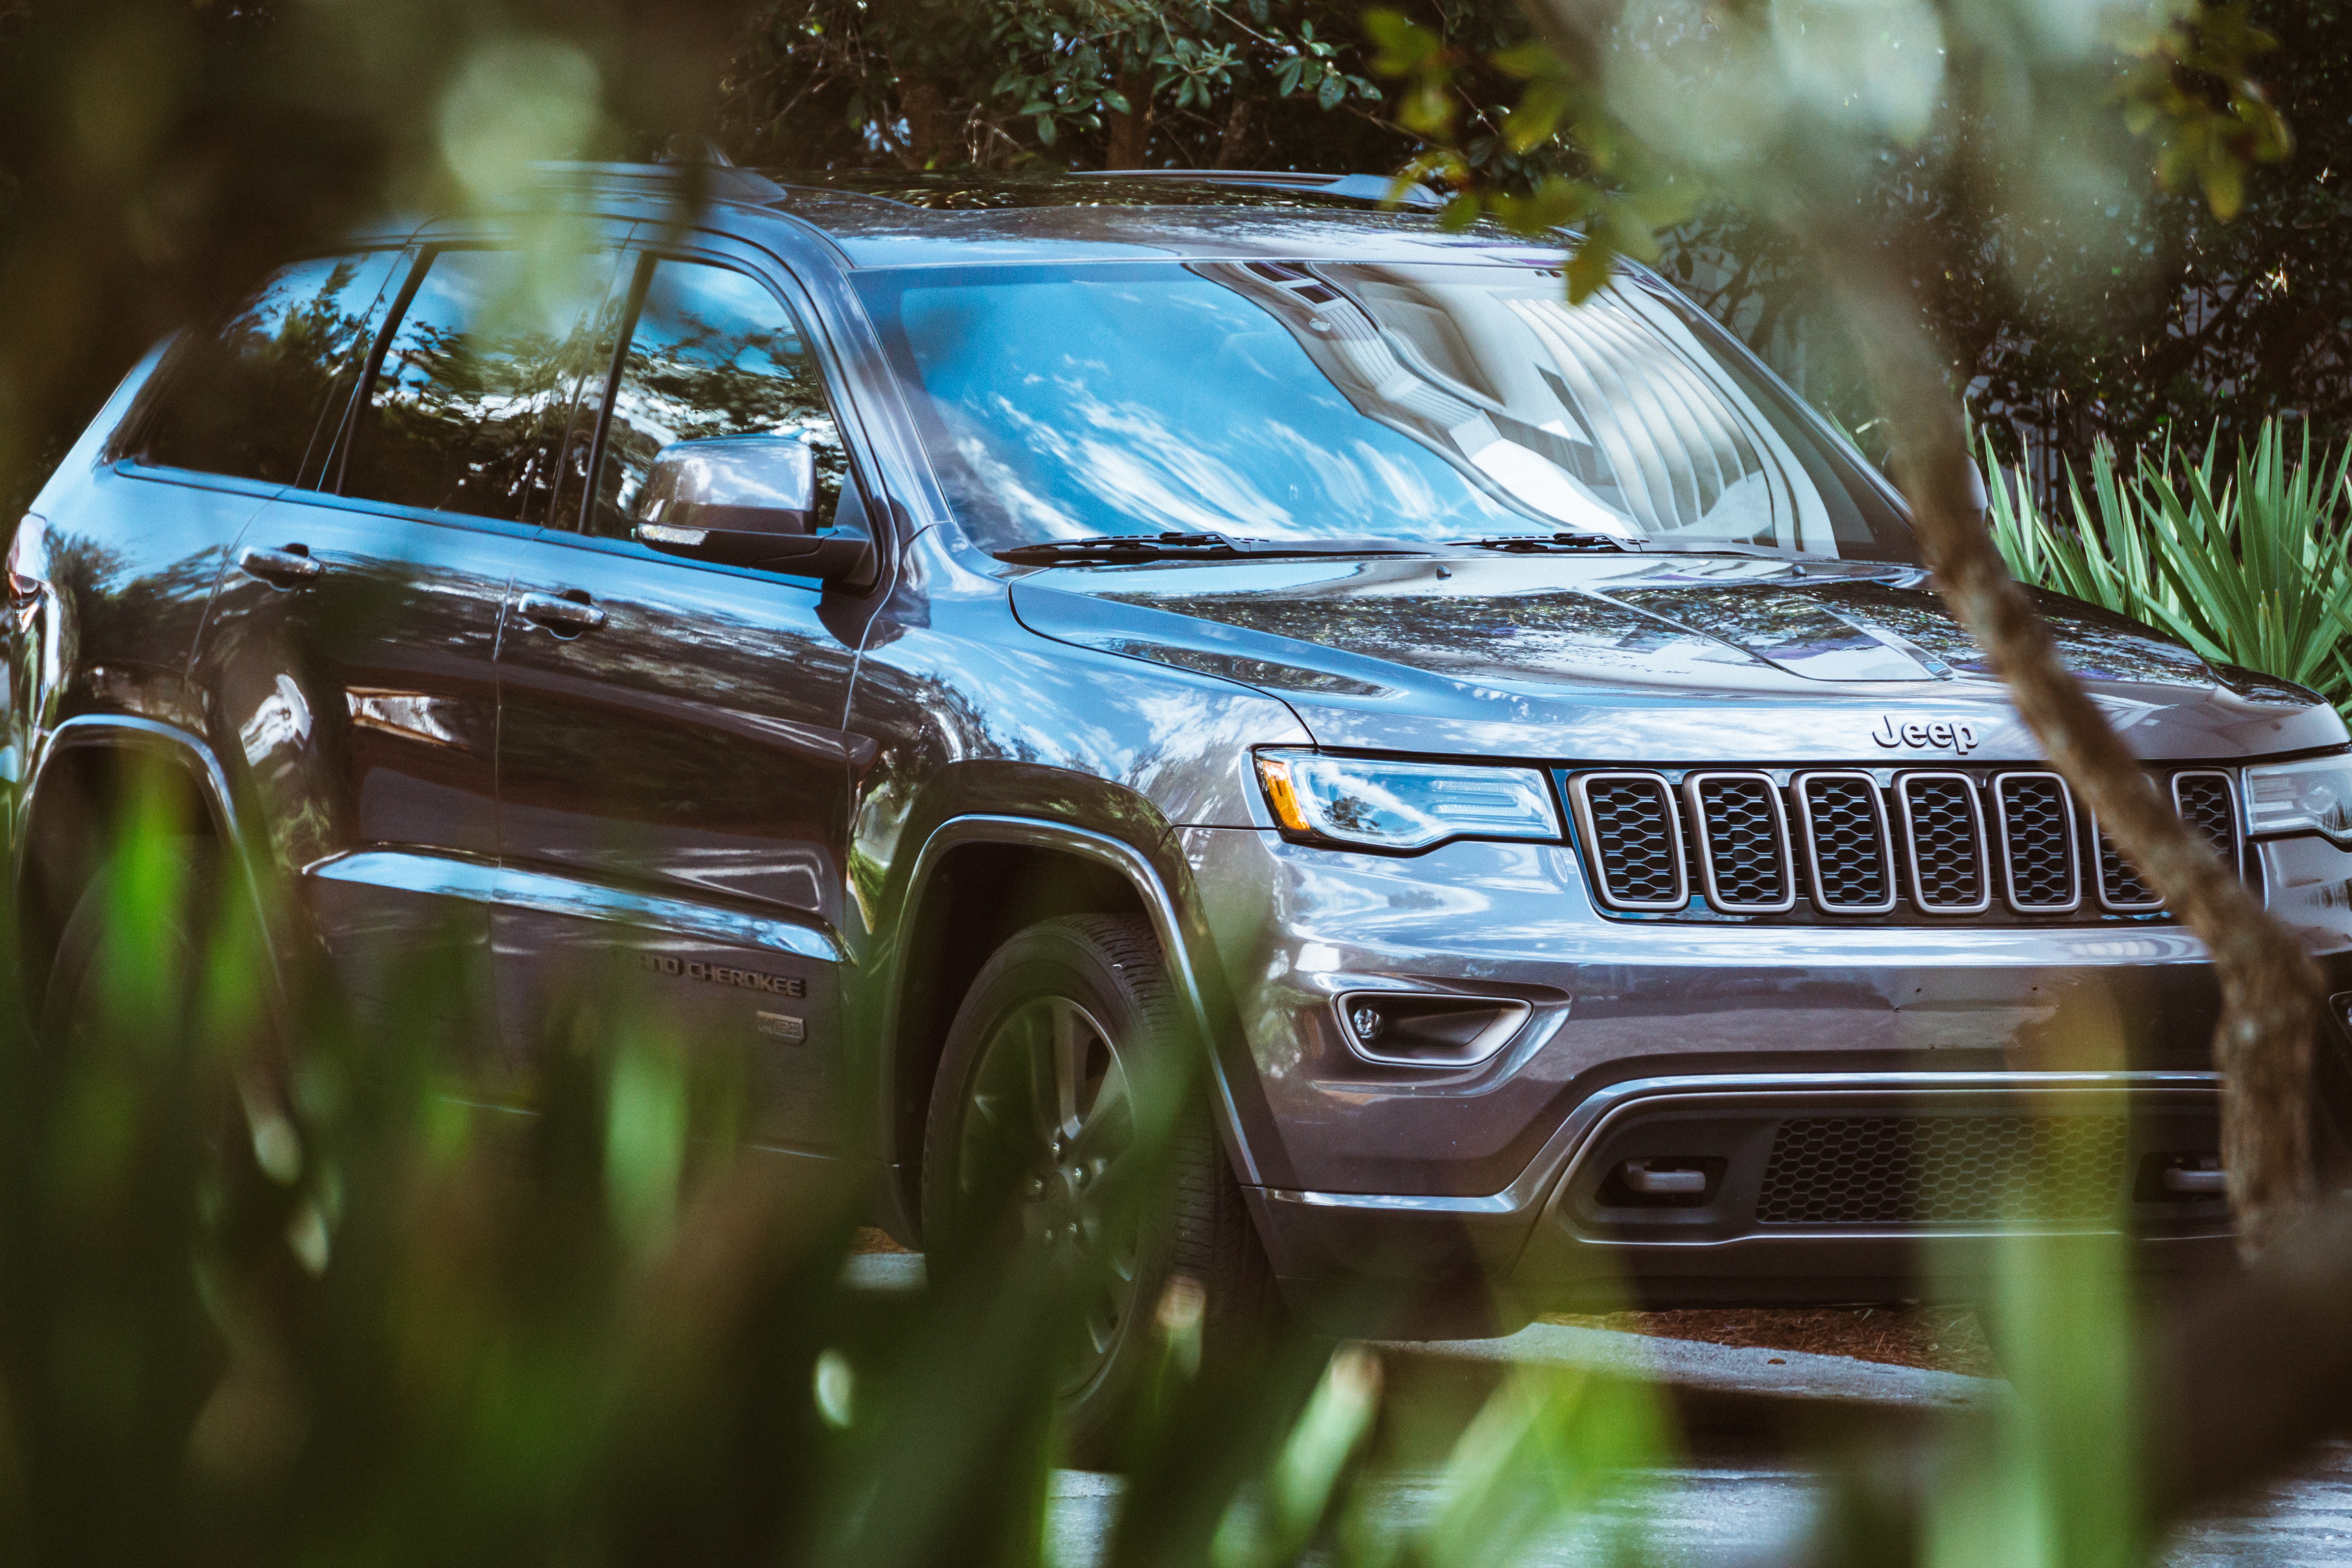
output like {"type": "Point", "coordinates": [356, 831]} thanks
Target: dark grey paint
{"type": "Point", "coordinates": [756, 776]}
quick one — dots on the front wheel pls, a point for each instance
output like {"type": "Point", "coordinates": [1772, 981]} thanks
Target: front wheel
{"type": "Point", "coordinates": [1067, 1121]}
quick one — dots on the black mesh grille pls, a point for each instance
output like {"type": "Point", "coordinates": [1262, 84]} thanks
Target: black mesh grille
{"type": "Point", "coordinates": [1978, 836]}
{"type": "Point", "coordinates": [1940, 814]}
{"type": "Point", "coordinates": [1849, 843]}
{"type": "Point", "coordinates": [2208, 806]}
{"type": "Point", "coordinates": [2120, 887]}
{"type": "Point", "coordinates": [1895, 1170]}
{"type": "Point", "coordinates": [2037, 832]}
{"type": "Point", "coordinates": [1743, 842]}
{"type": "Point", "coordinates": [1633, 825]}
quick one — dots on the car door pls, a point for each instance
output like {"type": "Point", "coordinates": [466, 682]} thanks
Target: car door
{"type": "Point", "coordinates": [673, 770]}
{"type": "Point", "coordinates": [352, 641]}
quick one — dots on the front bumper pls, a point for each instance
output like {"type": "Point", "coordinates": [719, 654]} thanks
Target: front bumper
{"type": "Point", "coordinates": [1476, 1190]}
{"type": "Point", "coordinates": [2067, 1154]}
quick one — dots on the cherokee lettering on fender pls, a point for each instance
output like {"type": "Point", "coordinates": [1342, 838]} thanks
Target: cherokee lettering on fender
{"type": "Point", "coordinates": [722, 974]}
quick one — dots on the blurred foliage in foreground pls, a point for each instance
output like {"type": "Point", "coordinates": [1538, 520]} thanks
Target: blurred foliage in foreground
{"type": "Point", "coordinates": [274, 1287]}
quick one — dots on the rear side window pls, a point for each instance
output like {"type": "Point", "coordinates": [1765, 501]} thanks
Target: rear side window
{"type": "Point", "coordinates": [712, 354]}
{"type": "Point", "coordinates": [468, 408]}
{"type": "Point", "coordinates": [255, 399]}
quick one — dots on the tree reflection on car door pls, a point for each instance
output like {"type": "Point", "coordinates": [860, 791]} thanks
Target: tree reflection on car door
{"type": "Point", "coordinates": [673, 769]}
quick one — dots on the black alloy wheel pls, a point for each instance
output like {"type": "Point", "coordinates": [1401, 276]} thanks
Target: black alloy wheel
{"type": "Point", "coordinates": [1067, 1131]}
{"type": "Point", "coordinates": [1050, 1086]}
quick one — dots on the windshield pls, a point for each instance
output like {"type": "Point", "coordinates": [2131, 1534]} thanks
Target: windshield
{"type": "Point", "coordinates": [1416, 402]}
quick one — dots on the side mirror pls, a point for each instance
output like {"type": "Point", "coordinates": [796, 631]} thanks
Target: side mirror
{"type": "Point", "coordinates": [742, 501]}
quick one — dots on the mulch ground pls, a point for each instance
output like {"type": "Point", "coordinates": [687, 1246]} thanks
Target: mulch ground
{"type": "Point", "coordinates": [1940, 1338]}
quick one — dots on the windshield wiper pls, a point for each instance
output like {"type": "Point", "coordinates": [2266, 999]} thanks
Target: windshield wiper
{"type": "Point", "coordinates": [1116, 549]}
{"type": "Point", "coordinates": [1544, 543]}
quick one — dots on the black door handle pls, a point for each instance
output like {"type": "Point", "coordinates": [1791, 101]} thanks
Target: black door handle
{"type": "Point", "coordinates": [566, 617]}
{"type": "Point", "coordinates": [288, 568]}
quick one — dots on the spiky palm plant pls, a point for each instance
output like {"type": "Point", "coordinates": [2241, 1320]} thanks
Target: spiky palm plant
{"type": "Point", "coordinates": [2250, 565]}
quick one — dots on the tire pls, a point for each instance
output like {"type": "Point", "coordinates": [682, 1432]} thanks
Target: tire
{"type": "Point", "coordinates": [158, 975]}
{"type": "Point", "coordinates": [1092, 994]}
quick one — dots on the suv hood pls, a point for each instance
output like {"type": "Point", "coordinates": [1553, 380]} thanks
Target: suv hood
{"type": "Point", "coordinates": [1650, 658]}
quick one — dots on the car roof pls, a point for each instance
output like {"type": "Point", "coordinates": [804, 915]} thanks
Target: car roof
{"type": "Point", "coordinates": [887, 219]}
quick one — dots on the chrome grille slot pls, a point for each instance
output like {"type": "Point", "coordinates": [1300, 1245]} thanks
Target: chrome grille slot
{"type": "Point", "coordinates": [2209, 806]}
{"type": "Point", "coordinates": [1742, 841]}
{"type": "Point", "coordinates": [1944, 835]}
{"type": "Point", "coordinates": [1948, 1169]}
{"type": "Point", "coordinates": [2034, 823]}
{"type": "Point", "coordinates": [2010, 845]}
{"type": "Point", "coordinates": [1846, 845]}
{"type": "Point", "coordinates": [2121, 888]}
{"type": "Point", "coordinates": [1629, 827]}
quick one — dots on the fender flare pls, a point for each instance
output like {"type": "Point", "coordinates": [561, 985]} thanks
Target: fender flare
{"type": "Point", "coordinates": [149, 737]}
{"type": "Point", "coordinates": [1132, 865]}
{"type": "Point", "coordinates": [124, 731]}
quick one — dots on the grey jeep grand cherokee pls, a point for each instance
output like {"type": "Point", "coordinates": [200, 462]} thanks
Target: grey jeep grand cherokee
{"type": "Point", "coordinates": [952, 639]}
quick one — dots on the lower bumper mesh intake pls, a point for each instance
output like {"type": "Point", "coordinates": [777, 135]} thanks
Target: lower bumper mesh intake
{"type": "Point", "coordinates": [1954, 1169]}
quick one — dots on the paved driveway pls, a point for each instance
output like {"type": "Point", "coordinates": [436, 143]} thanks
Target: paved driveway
{"type": "Point", "coordinates": [1732, 1514]}
{"type": "Point", "coordinates": [1735, 1505]}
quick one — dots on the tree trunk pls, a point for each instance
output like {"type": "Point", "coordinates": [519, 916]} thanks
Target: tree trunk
{"type": "Point", "coordinates": [930, 123]}
{"type": "Point", "coordinates": [2270, 992]}
{"type": "Point", "coordinates": [1232, 148]}
{"type": "Point", "coordinates": [1131, 133]}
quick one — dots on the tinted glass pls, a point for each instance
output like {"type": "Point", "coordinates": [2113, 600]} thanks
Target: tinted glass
{"type": "Point", "coordinates": [468, 410]}
{"type": "Point", "coordinates": [713, 353]}
{"type": "Point", "coordinates": [1410, 401]}
{"type": "Point", "coordinates": [253, 400]}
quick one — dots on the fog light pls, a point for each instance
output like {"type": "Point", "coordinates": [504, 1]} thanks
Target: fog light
{"type": "Point", "coordinates": [2182, 1176]}
{"type": "Point", "coordinates": [1421, 1030]}
{"type": "Point", "coordinates": [1662, 1182]}
{"type": "Point", "coordinates": [1642, 1176]}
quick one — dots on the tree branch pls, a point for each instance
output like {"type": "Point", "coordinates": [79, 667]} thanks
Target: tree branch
{"type": "Point", "coordinates": [2270, 992]}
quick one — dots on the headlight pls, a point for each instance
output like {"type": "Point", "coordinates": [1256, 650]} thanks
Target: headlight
{"type": "Point", "coordinates": [2300, 797]}
{"type": "Point", "coordinates": [1403, 805]}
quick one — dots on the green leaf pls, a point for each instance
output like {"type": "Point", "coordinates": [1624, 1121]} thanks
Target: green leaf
{"type": "Point", "coordinates": [1537, 119]}
{"type": "Point", "coordinates": [1403, 44]}
{"type": "Point", "coordinates": [1045, 129]}
{"type": "Point", "coordinates": [1428, 110]}
{"type": "Point", "coordinates": [2225, 185]}
{"type": "Point", "coordinates": [1115, 101]}
{"type": "Point", "coordinates": [1334, 88]}
{"type": "Point", "coordinates": [1557, 202]}
{"type": "Point", "coordinates": [1588, 269]}
{"type": "Point", "coordinates": [1535, 58]}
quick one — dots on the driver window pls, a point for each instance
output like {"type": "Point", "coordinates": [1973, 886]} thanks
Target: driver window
{"type": "Point", "coordinates": [712, 354]}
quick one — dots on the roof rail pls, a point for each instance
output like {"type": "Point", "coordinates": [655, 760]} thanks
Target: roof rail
{"type": "Point", "coordinates": [1359, 187]}
{"type": "Point", "coordinates": [723, 182]}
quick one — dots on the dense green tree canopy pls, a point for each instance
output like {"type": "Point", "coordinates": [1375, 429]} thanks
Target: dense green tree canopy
{"type": "Point", "coordinates": [2154, 313]}
{"type": "Point", "coordinates": [152, 152]}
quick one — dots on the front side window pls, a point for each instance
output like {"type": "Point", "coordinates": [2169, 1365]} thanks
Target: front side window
{"type": "Point", "coordinates": [256, 398]}
{"type": "Point", "coordinates": [468, 408]}
{"type": "Point", "coordinates": [712, 355]}
{"type": "Point", "coordinates": [1411, 403]}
